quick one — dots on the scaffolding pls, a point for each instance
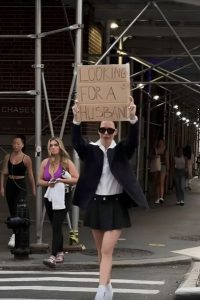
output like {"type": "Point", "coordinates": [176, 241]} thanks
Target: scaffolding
{"type": "Point", "coordinates": [37, 92]}
{"type": "Point", "coordinates": [167, 77]}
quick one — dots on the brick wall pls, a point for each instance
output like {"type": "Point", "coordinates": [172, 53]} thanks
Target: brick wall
{"type": "Point", "coordinates": [17, 57]}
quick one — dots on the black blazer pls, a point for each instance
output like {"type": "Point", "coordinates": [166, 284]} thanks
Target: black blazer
{"type": "Point", "coordinates": [118, 158]}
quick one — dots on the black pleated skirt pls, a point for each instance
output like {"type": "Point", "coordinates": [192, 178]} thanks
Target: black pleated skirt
{"type": "Point", "coordinates": [107, 213]}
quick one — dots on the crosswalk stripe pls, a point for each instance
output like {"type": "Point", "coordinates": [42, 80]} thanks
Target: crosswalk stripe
{"type": "Point", "coordinates": [66, 279]}
{"type": "Point", "coordinates": [61, 278]}
{"type": "Point", "coordinates": [77, 289]}
{"type": "Point", "coordinates": [48, 272]}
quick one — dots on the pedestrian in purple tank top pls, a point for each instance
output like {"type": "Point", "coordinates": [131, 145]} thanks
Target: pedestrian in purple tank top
{"type": "Point", "coordinates": [55, 198]}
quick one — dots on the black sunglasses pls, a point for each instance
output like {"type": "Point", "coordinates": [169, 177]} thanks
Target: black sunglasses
{"type": "Point", "coordinates": [104, 129]}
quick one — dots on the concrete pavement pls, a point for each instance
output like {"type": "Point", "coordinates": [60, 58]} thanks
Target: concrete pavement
{"type": "Point", "coordinates": [164, 234]}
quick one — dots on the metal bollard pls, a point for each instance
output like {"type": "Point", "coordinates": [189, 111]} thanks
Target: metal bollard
{"type": "Point", "coordinates": [20, 224]}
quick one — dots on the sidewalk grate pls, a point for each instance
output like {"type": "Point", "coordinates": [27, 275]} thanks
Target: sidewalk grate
{"type": "Point", "coordinates": [121, 252]}
{"type": "Point", "coordinates": [194, 238]}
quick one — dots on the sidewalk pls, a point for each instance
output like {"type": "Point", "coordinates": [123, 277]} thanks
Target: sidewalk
{"type": "Point", "coordinates": [164, 234]}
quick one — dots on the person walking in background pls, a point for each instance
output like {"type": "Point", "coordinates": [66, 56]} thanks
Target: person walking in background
{"type": "Point", "coordinates": [198, 165]}
{"type": "Point", "coordinates": [154, 168]}
{"type": "Point", "coordinates": [56, 172]}
{"type": "Point", "coordinates": [15, 166]}
{"type": "Point", "coordinates": [105, 188]}
{"type": "Point", "coordinates": [161, 150]}
{"type": "Point", "coordinates": [189, 156]}
{"type": "Point", "coordinates": [179, 175]}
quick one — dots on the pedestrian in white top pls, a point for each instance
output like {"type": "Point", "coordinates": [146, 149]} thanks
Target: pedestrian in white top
{"type": "Point", "coordinates": [105, 189]}
{"type": "Point", "coordinates": [179, 175]}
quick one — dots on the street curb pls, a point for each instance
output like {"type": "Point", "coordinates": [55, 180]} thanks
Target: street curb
{"type": "Point", "coordinates": [154, 261]}
{"type": "Point", "coordinates": [189, 287]}
{"type": "Point", "coordinates": [22, 265]}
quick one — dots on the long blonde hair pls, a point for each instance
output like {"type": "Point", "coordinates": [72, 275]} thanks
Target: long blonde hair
{"type": "Point", "coordinates": [64, 155]}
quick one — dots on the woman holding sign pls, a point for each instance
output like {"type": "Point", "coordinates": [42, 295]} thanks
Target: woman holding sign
{"type": "Point", "coordinates": [106, 189]}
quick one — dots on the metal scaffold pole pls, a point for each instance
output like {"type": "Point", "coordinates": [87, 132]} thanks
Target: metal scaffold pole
{"type": "Point", "coordinates": [146, 177]}
{"type": "Point", "coordinates": [78, 60]}
{"type": "Point", "coordinates": [140, 133]}
{"type": "Point", "coordinates": [38, 127]}
{"type": "Point", "coordinates": [38, 119]}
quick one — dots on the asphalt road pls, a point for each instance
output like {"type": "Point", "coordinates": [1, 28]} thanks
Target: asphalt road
{"type": "Point", "coordinates": [135, 283]}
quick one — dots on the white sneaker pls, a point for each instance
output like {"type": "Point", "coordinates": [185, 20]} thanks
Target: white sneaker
{"type": "Point", "coordinates": [161, 200]}
{"type": "Point", "coordinates": [11, 242]}
{"type": "Point", "coordinates": [109, 291]}
{"type": "Point", "coordinates": [157, 201]}
{"type": "Point", "coordinates": [101, 293]}
{"type": "Point", "coordinates": [182, 203]}
{"type": "Point", "coordinates": [50, 262]}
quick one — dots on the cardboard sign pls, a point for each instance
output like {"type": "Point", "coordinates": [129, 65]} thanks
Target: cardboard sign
{"type": "Point", "coordinates": [103, 92]}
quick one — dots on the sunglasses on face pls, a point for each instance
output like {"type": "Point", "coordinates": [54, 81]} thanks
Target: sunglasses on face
{"type": "Point", "coordinates": [104, 129]}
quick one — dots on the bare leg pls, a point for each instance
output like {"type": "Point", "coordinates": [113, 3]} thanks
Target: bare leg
{"type": "Point", "coordinates": [157, 180]}
{"type": "Point", "coordinates": [162, 184]}
{"type": "Point", "coordinates": [105, 243]}
{"type": "Point", "coordinates": [98, 238]}
{"type": "Point", "coordinates": [189, 184]}
{"type": "Point", "coordinates": [154, 185]}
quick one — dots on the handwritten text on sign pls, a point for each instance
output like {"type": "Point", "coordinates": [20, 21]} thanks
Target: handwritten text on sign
{"type": "Point", "coordinates": [103, 92]}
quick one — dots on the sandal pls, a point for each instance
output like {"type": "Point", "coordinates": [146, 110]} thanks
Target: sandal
{"type": "Point", "coordinates": [59, 257]}
{"type": "Point", "coordinates": [50, 262]}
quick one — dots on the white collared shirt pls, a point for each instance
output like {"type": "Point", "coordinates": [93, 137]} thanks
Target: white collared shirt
{"type": "Point", "coordinates": [108, 185]}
